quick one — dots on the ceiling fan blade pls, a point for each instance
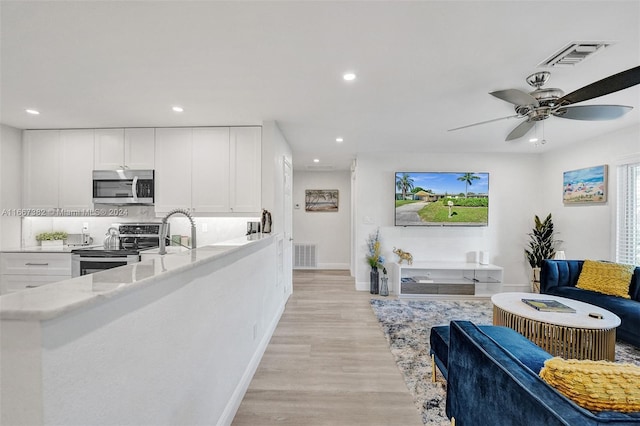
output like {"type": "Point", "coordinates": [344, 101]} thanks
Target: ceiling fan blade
{"type": "Point", "coordinates": [592, 112]}
{"type": "Point", "coordinates": [485, 122]}
{"type": "Point", "coordinates": [520, 130]}
{"type": "Point", "coordinates": [613, 83]}
{"type": "Point", "coordinates": [516, 97]}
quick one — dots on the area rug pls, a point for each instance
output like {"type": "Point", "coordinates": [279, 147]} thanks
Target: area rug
{"type": "Point", "coordinates": [407, 324]}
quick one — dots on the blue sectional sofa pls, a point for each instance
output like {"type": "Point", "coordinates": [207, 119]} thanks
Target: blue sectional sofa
{"type": "Point", "coordinates": [559, 278]}
{"type": "Point", "coordinates": [488, 383]}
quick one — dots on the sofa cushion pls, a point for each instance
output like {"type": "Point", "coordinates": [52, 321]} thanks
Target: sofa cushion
{"type": "Point", "coordinates": [595, 385]}
{"type": "Point", "coordinates": [527, 352]}
{"type": "Point", "coordinates": [605, 277]}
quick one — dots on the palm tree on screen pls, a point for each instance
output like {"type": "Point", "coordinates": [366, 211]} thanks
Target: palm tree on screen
{"type": "Point", "coordinates": [404, 184]}
{"type": "Point", "coordinates": [468, 179]}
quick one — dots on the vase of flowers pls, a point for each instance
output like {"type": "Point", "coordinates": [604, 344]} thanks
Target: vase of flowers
{"type": "Point", "coordinates": [375, 260]}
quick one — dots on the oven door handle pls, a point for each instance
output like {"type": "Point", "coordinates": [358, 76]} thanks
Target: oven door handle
{"type": "Point", "coordinates": [104, 259]}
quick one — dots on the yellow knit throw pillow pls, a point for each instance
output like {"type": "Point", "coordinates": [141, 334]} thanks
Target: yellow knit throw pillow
{"type": "Point", "coordinates": [607, 278]}
{"type": "Point", "coordinates": [595, 385]}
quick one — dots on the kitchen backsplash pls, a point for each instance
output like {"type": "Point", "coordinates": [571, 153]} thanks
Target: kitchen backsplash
{"type": "Point", "coordinates": [210, 230]}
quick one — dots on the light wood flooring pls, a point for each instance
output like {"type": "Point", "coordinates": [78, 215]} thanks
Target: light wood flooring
{"type": "Point", "coordinates": [328, 362]}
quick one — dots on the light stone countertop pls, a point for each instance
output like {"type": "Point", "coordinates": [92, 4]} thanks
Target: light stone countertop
{"type": "Point", "coordinates": [39, 249]}
{"type": "Point", "coordinates": [55, 299]}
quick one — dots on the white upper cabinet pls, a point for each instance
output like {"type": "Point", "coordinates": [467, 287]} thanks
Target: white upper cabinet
{"type": "Point", "coordinates": [173, 169]}
{"type": "Point", "coordinates": [41, 152]}
{"type": "Point", "coordinates": [139, 149]}
{"type": "Point", "coordinates": [109, 149]}
{"type": "Point", "coordinates": [246, 169]}
{"type": "Point", "coordinates": [76, 181]}
{"type": "Point", "coordinates": [125, 149]}
{"type": "Point", "coordinates": [57, 169]}
{"type": "Point", "coordinates": [208, 169]}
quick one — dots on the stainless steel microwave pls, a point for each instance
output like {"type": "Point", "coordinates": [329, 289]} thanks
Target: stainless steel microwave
{"type": "Point", "coordinates": [122, 187]}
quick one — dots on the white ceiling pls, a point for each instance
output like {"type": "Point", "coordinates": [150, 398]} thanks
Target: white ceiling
{"type": "Point", "coordinates": [423, 67]}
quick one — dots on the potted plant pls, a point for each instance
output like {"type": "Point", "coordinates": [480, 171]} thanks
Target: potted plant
{"type": "Point", "coordinates": [541, 246]}
{"type": "Point", "coordinates": [51, 239]}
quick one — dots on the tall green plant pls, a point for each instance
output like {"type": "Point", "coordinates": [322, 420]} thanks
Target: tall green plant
{"type": "Point", "coordinates": [541, 242]}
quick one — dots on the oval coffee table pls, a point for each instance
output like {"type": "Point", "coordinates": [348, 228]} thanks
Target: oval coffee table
{"type": "Point", "coordinates": [567, 335]}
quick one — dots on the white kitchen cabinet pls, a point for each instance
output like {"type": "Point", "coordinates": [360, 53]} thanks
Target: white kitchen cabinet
{"type": "Point", "coordinates": [41, 152]}
{"type": "Point", "coordinates": [208, 169]}
{"type": "Point", "coordinates": [173, 169]}
{"type": "Point", "coordinates": [76, 186]}
{"type": "Point", "coordinates": [245, 169]}
{"type": "Point", "coordinates": [19, 271]}
{"type": "Point", "coordinates": [125, 149]}
{"type": "Point", "coordinates": [57, 169]}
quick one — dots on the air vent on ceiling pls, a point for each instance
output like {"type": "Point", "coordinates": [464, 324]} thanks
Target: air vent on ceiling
{"type": "Point", "coordinates": [574, 53]}
{"type": "Point", "coordinates": [318, 168]}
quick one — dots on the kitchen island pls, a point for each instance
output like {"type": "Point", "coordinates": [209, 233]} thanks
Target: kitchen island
{"type": "Point", "coordinates": [170, 340]}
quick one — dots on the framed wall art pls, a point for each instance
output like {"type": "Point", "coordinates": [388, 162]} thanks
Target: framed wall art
{"type": "Point", "coordinates": [321, 200]}
{"type": "Point", "coordinates": [585, 186]}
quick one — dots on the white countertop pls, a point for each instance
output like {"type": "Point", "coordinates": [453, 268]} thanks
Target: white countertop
{"type": "Point", "coordinates": [54, 249]}
{"type": "Point", "coordinates": [55, 299]}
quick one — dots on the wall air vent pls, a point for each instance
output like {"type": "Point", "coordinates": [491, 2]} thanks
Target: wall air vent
{"type": "Point", "coordinates": [304, 256]}
{"type": "Point", "coordinates": [574, 53]}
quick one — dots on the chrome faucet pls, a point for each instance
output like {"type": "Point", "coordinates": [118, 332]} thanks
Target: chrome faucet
{"type": "Point", "coordinates": [163, 230]}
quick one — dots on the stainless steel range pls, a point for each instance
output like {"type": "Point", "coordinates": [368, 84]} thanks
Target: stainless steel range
{"type": "Point", "coordinates": [134, 237]}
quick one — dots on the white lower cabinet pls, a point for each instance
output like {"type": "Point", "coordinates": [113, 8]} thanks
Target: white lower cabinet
{"type": "Point", "coordinates": [209, 169]}
{"type": "Point", "coordinates": [19, 271]}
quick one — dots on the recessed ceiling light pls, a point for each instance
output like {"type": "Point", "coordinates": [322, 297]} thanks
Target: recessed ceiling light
{"type": "Point", "coordinates": [315, 160]}
{"type": "Point", "coordinates": [177, 109]}
{"type": "Point", "coordinates": [349, 76]}
{"type": "Point", "coordinates": [339, 140]}
{"type": "Point", "coordinates": [32, 111]}
{"type": "Point", "coordinates": [533, 140]}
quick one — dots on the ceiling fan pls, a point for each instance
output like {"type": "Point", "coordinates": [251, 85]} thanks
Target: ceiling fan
{"type": "Point", "coordinates": [543, 103]}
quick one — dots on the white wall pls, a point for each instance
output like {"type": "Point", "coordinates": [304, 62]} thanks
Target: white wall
{"type": "Point", "coordinates": [275, 149]}
{"type": "Point", "coordinates": [514, 192]}
{"type": "Point", "coordinates": [330, 231]}
{"type": "Point", "coordinates": [10, 184]}
{"type": "Point", "coordinates": [587, 231]}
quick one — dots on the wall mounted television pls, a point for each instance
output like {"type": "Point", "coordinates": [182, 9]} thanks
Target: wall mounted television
{"type": "Point", "coordinates": [441, 199]}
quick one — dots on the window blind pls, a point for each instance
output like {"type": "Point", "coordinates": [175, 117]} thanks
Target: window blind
{"type": "Point", "coordinates": [628, 224]}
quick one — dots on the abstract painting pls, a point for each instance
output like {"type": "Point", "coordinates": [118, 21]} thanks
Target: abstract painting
{"type": "Point", "coordinates": [587, 185]}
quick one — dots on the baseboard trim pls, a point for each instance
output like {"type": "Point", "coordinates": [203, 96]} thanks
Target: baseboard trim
{"type": "Point", "coordinates": [333, 266]}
